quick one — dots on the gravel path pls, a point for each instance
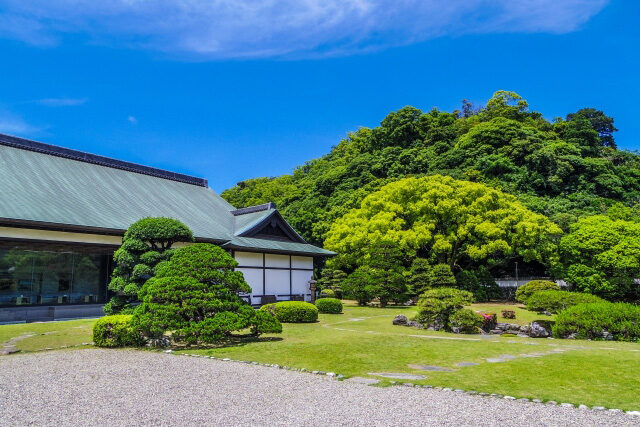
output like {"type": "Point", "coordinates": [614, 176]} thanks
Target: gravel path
{"type": "Point", "coordinates": [102, 387]}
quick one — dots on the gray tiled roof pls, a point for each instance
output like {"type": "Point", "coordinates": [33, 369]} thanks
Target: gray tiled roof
{"type": "Point", "coordinates": [40, 187]}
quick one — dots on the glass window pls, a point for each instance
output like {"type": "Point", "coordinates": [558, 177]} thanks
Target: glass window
{"type": "Point", "coordinates": [51, 277]}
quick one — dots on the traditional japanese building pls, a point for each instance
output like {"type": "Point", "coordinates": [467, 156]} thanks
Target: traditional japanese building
{"type": "Point", "coordinates": [63, 213]}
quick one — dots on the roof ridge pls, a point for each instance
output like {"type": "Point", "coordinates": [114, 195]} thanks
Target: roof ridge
{"type": "Point", "coordinates": [82, 156]}
{"type": "Point", "coordinates": [252, 209]}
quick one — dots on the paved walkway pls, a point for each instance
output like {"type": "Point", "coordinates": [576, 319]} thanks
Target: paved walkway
{"type": "Point", "coordinates": [128, 387]}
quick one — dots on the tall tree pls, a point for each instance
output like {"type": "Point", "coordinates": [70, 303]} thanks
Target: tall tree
{"type": "Point", "coordinates": [458, 223]}
{"type": "Point", "coordinates": [146, 243]}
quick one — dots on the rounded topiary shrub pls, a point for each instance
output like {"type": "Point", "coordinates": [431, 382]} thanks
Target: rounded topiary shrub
{"type": "Point", "coordinates": [327, 293]}
{"type": "Point", "coordinates": [556, 301]}
{"type": "Point", "coordinates": [116, 331]}
{"type": "Point", "coordinates": [329, 305]}
{"type": "Point", "coordinates": [525, 291]}
{"type": "Point", "coordinates": [466, 321]}
{"type": "Point", "coordinates": [292, 311]}
{"type": "Point", "coordinates": [604, 320]}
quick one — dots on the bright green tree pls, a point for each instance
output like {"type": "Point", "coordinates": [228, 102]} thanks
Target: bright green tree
{"type": "Point", "coordinates": [458, 223]}
{"type": "Point", "coordinates": [601, 256]}
{"type": "Point", "coordinates": [146, 243]}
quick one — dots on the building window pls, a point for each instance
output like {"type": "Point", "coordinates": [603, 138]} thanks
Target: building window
{"type": "Point", "coordinates": [51, 276]}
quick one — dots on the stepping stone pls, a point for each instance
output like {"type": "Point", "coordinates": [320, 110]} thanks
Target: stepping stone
{"type": "Point", "coordinates": [430, 368]}
{"type": "Point", "coordinates": [462, 364]}
{"type": "Point", "coordinates": [398, 375]}
{"type": "Point", "coordinates": [8, 350]}
{"type": "Point", "coordinates": [507, 356]}
{"type": "Point", "coordinates": [529, 355]}
{"type": "Point", "coordinates": [362, 380]}
{"type": "Point", "coordinates": [355, 319]}
{"type": "Point", "coordinates": [495, 360]}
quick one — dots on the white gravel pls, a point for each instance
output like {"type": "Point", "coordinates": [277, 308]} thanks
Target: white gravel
{"type": "Point", "coordinates": [103, 387]}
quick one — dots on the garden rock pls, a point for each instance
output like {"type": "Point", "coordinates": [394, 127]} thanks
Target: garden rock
{"type": "Point", "coordinates": [161, 342]}
{"type": "Point", "coordinates": [400, 320]}
{"type": "Point", "coordinates": [415, 324]}
{"type": "Point", "coordinates": [607, 335]}
{"type": "Point", "coordinates": [538, 331]}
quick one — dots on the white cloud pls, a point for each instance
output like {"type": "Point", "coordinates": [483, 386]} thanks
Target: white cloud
{"type": "Point", "coordinates": [13, 124]}
{"type": "Point", "coordinates": [61, 102]}
{"type": "Point", "coordinates": [132, 120]}
{"type": "Point", "coordinates": [250, 28]}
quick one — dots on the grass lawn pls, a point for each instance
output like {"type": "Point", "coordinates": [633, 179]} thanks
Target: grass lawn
{"type": "Point", "coordinates": [48, 334]}
{"type": "Point", "coordinates": [601, 373]}
{"type": "Point", "coordinates": [362, 340]}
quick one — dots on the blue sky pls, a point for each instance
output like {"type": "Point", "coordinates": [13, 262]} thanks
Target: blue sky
{"type": "Point", "coordinates": [230, 90]}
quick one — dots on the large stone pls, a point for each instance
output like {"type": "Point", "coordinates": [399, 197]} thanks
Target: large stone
{"type": "Point", "coordinates": [414, 324]}
{"type": "Point", "coordinates": [538, 331]}
{"type": "Point", "coordinates": [8, 350]}
{"type": "Point", "coordinates": [400, 320]}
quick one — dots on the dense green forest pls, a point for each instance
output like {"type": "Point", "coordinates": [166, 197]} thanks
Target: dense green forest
{"type": "Point", "coordinates": [566, 170]}
{"type": "Point", "coordinates": [563, 169]}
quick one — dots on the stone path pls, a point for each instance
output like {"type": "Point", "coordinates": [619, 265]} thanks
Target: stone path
{"type": "Point", "coordinates": [398, 375]}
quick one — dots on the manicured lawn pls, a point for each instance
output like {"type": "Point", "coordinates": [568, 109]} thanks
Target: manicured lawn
{"type": "Point", "coordinates": [602, 373]}
{"type": "Point", "coordinates": [47, 335]}
{"type": "Point", "coordinates": [362, 340]}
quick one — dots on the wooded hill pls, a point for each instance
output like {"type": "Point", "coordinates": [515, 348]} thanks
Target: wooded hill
{"type": "Point", "coordinates": [565, 168]}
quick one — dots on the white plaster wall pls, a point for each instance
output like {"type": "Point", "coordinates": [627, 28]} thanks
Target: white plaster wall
{"type": "Point", "coordinates": [300, 282]}
{"type": "Point", "coordinates": [253, 277]}
{"type": "Point", "coordinates": [301, 262]}
{"type": "Point", "coordinates": [273, 260]}
{"type": "Point", "coordinates": [59, 236]}
{"type": "Point", "coordinates": [248, 259]}
{"type": "Point", "coordinates": [277, 282]}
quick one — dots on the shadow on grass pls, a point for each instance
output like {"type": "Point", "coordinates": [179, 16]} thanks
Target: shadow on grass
{"type": "Point", "coordinates": [229, 342]}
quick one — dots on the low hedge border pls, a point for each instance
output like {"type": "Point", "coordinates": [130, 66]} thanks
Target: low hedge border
{"type": "Point", "coordinates": [292, 311]}
{"type": "Point", "coordinates": [329, 305]}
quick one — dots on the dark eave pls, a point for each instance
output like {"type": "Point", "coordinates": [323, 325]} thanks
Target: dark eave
{"type": "Point", "coordinates": [72, 228]}
{"type": "Point", "coordinates": [275, 215]}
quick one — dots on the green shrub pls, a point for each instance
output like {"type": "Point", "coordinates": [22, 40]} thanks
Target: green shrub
{"type": "Point", "coordinates": [466, 321]}
{"type": "Point", "coordinates": [327, 293]}
{"type": "Point", "coordinates": [556, 301]}
{"type": "Point", "coordinates": [116, 331]}
{"type": "Point", "coordinates": [509, 314]}
{"type": "Point", "coordinates": [598, 320]}
{"type": "Point", "coordinates": [525, 291]}
{"type": "Point", "coordinates": [145, 244]}
{"type": "Point", "coordinates": [194, 295]}
{"type": "Point", "coordinates": [292, 311]}
{"type": "Point", "coordinates": [329, 305]}
{"type": "Point", "coordinates": [480, 282]}
{"type": "Point", "coordinates": [437, 305]}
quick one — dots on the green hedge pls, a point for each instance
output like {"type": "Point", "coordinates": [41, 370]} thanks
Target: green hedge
{"type": "Point", "coordinates": [466, 321]}
{"type": "Point", "coordinates": [525, 291]}
{"type": "Point", "coordinates": [556, 301]}
{"type": "Point", "coordinates": [329, 305]}
{"type": "Point", "coordinates": [116, 331]}
{"type": "Point", "coordinates": [292, 311]}
{"type": "Point", "coordinates": [327, 293]}
{"type": "Point", "coordinates": [596, 321]}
